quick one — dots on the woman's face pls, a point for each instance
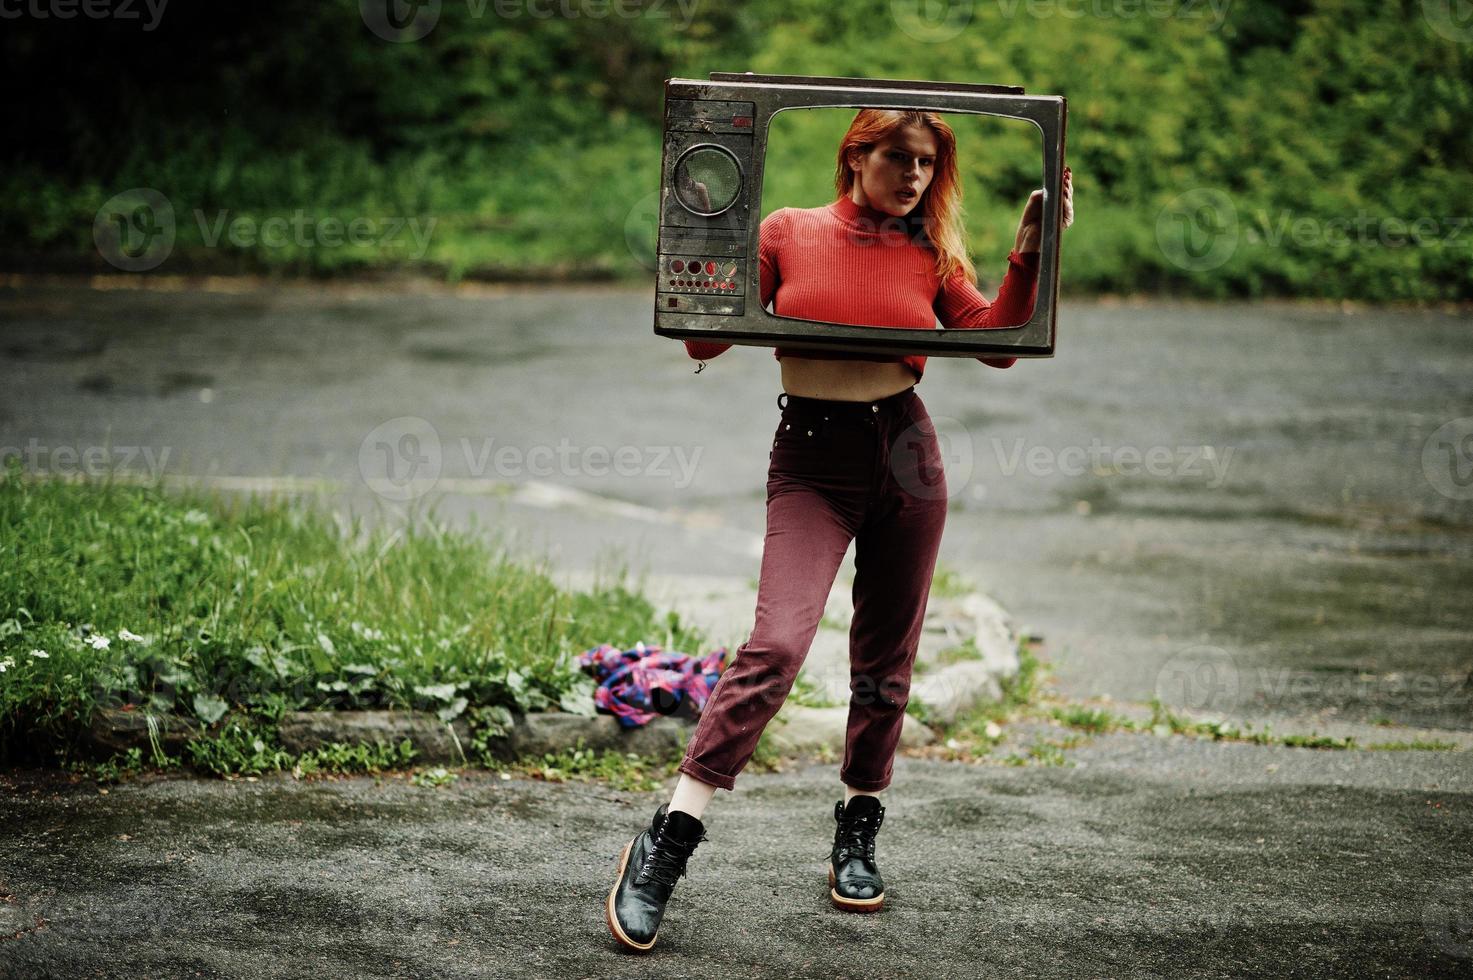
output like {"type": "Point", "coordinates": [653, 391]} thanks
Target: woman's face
{"type": "Point", "coordinates": [894, 174]}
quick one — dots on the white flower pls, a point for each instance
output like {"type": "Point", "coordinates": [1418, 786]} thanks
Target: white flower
{"type": "Point", "coordinates": [366, 632]}
{"type": "Point", "coordinates": [130, 636]}
{"type": "Point", "coordinates": [993, 730]}
{"type": "Point", "coordinates": [40, 653]}
{"type": "Point", "coordinates": [6, 664]}
{"type": "Point", "coordinates": [99, 642]}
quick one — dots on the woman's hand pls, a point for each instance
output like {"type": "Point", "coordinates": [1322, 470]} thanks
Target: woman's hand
{"type": "Point", "coordinates": [1030, 227]}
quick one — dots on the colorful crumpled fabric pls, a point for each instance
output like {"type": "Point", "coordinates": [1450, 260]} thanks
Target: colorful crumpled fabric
{"type": "Point", "coordinates": [637, 686]}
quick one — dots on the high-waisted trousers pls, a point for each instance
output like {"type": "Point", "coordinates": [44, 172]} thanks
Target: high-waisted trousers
{"type": "Point", "coordinates": [841, 471]}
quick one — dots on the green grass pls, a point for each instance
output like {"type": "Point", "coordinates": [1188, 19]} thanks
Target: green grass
{"type": "Point", "coordinates": [948, 583]}
{"type": "Point", "coordinates": [128, 597]}
{"type": "Point", "coordinates": [1415, 745]}
{"type": "Point", "coordinates": [1028, 696]}
{"type": "Point", "coordinates": [960, 652]}
{"type": "Point", "coordinates": [1043, 752]}
{"type": "Point", "coordinates": [623, 770]}
{"type": "Point", "coordinates": [1087, 719]}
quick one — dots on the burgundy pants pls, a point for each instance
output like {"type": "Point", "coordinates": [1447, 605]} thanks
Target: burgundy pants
{"type": "Point", "coordinates": [841, 471]}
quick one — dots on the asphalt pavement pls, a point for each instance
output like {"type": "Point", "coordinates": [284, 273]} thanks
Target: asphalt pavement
{"type": "Point", "coordinates": [1141, 857]}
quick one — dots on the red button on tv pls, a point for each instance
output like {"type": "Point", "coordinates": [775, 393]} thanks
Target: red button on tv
{"type": "Point", "coordinates": [677, 266]}
{"type": "Point", "coordinates": [710, 268]}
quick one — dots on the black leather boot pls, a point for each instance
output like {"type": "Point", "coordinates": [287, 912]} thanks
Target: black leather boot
{"type": "Point", "coordinates": [854, 879]}
{"type": "Point", "coordinates": [648, 869]}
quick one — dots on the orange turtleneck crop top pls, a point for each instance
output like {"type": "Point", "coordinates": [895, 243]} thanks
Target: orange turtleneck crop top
{"type": "Point", "coordinates": [846, 263]}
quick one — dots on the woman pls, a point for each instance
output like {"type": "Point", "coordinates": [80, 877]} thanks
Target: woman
{"type": "Point", "coordinates": [855, 459]}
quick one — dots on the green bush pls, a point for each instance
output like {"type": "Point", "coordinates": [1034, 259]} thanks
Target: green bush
{"type": "Point", "coordinates": [533, 143]}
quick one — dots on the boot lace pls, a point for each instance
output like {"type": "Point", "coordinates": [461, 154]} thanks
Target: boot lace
{"type": "Point", "coordinates": [666, 859]}
{"type": "Point", "coordinates": [855, 835]}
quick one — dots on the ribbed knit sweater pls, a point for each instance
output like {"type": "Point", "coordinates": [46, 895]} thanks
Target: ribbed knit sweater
{"type": "Point", "coordinates": [846, 263]}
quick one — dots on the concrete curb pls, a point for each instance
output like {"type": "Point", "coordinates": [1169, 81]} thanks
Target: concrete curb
{"type": "Point", "coordinates": [434, 741]}
{"type": "Point", "coordinates": [724, 607]}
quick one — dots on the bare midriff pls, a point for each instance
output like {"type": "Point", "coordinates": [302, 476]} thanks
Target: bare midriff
{"type": "Point", "coordinates": [848, 381]}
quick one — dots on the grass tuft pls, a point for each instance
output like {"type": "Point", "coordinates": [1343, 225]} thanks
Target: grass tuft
{"type": "Point", "coordinates": [229, 612]}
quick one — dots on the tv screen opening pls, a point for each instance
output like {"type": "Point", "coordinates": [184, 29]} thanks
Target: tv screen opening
{"type": "Point", "coordinates": [786, 198]}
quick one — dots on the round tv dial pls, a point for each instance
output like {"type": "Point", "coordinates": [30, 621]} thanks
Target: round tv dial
{"type": "Point", "coordinates": [708, 180]}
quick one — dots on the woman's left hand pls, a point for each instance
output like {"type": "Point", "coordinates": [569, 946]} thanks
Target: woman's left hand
{"type": "Point", "coordinates": [1030, 227]}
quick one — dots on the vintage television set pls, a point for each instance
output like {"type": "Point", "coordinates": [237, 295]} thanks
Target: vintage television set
{"type": "Point", "coordinates": [719, 151]}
